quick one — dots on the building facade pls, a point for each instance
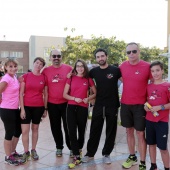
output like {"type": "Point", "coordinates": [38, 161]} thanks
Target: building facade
{"type": "Point", "coordinates": [18, 50]}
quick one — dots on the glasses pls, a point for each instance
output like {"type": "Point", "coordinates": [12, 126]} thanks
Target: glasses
{"type": "Point", "coordinates": [56, 56]}
{"type": "Point", "coordinates": [77, 66]}
{"type": "Point", "coordinates": [133, 51]}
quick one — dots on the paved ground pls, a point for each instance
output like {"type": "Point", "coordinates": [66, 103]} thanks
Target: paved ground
{"type": "Point", "coordinates": [48, 160]}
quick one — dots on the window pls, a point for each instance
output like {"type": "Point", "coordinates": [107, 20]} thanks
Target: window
{"type": "Point", "coordinates": [16, 54]}
{"type": "Point", "coordinates": [4, 54]}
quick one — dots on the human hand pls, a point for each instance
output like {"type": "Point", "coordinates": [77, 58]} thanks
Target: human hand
{"type": "Point", "coordinates": [78, 100]}
{"type": "Point", "coordinates": [86, 100]}
{"type": "Point", "coordinates": [22, 114]}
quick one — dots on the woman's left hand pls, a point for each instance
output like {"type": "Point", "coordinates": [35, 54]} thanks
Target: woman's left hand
{"type": "Point", "coordinates": [85, 100]}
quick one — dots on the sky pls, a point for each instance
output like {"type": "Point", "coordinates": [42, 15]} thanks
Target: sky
{"type": "Point", "coordinates": [141, 21]}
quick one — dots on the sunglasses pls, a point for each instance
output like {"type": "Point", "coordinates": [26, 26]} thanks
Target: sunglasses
{"type": "Point", "coordinates": [133, 51]}
{"type": "Point", "coordinates": [56, 56]}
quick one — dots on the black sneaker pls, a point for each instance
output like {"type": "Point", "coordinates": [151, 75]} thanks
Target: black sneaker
{"type": "Point", "coordinates": [16, 155]}
{"type": "Point", "coordinates": [11, 160]}
{"type": "Point", "coordinates": [34, 155]}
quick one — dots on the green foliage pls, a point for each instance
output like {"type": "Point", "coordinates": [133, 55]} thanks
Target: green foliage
{"type": "Point", "coordinates": [79, 48]}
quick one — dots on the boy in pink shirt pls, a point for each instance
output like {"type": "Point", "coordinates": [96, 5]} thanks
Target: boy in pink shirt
{"type": "Point", "coordinates": [158, 96]}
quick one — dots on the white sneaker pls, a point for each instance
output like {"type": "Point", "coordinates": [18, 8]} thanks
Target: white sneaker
{"type": "Point", "coordinates": [106, 159]}
{"type": "Point", "coordinates": [86, 159]}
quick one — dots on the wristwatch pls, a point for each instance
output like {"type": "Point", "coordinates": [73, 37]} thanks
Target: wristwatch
{"type": "Point", "coordinates": [162, 107]}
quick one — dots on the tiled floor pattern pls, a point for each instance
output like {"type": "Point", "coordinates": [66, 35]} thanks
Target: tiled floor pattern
{"type": "Point", "coordinates": [48, 160]}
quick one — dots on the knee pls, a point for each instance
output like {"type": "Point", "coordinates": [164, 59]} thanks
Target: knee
{"type": "Point", "coordinates": [35, 129]}
{"type": "Point", "coordinates": [164, 152]}
{"type": "Point", "coordinates": [140, 134]}
{"type": "Point", "coordinates": [130, 131]}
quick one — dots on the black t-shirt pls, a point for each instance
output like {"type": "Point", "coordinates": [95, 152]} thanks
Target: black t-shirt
{"type": "Point", "coordinates": [107, 85]}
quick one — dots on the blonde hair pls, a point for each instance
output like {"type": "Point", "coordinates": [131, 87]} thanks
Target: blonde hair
{"type": "Point", "coordinates": [8, 61]}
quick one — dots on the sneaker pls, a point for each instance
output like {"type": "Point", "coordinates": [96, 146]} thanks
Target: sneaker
{"type": "Point", "coordinates": [71, 154]}
{"type": "Point", "coordinates": [86, 159]}
{"type": "Point", "coordinates": [81, 153]}
{"type": "Point", "coordinates": [131, 160]}
{"type": "Point", "coordinates": [59, 152]}
{"type": "Point", "coordinates": [76, 161]}
{"type": "Point", "coordinates": [11, 160]}
{"type": "Point", "coordinates": [106, 159]}
{"type": "Point", "coordinates": [16, 155]}
{"type": "Point", "coordinates": [142, 166]}
{"type": "Point", "coordinates": [153, 167]}
{"type": "Point", "coordinates": [34, 155]}
{"type": "Point", "coordinates": [25, 157]}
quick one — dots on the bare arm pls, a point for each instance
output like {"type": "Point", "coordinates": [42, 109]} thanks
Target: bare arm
{"type": "Point", "coordinates": [91, 97]}
{"type": "Point", "coordinates": [3, 86]}
{"type": "Point", "coordinates": [21, 96]}
{"type": "Point", "coordinates": [45, 101]}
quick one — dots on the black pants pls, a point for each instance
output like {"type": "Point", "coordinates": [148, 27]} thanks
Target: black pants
{"type": "Point", "coordinates": [56, 113]}
{"type": "Point", "coordinates": [12, 123]}
{"type": "Point", "coordinates": [76, 121]}
{"type": "Point", "coordinates": [101, 113]}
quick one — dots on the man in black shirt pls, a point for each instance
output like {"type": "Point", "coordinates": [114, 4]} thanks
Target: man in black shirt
{"type": "Point", "coordinates": [106, 106]}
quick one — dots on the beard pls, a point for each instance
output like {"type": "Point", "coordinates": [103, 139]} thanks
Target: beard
{"type": "Point", "coordinates": [102, 63]}
{"type": "Point", "coordinates": [56, 62]}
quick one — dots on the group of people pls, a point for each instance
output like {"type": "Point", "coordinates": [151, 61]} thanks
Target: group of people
{"type": "Point", "coordinates": [66, 96]}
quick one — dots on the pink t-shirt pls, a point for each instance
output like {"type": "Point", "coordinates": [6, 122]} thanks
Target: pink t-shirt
{"type": "Point", "coordinates": [79, 88]}
{"type": "Point", "coordinates": [135, 80]}
{"type": "Point", "coordinates": [10, 96]}
{"type": "Point", "coordinates": [158, 94]}
{"type": "Point", "coordinates": [34, 86]}
{"type": "Point", "coordinates": [56, 80]}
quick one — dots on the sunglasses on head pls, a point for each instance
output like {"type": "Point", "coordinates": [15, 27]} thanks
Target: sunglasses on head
{"type": "Point", "coordinates": [56, 56]}
{"type": "Point", "coordinates": [133, 51]}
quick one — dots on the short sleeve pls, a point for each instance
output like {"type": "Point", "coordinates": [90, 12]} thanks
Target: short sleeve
{"type": "Point", "coordinates": [5, 78]}
{"type": "Point", "coordinates": [91, 82]}
{"type": "Point", "coordinates": [68, 81]}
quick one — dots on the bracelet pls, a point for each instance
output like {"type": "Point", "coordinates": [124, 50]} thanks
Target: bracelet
{"type": "Point", "coordinates": [162, 107]}
{"type": "Point", "coordinates": [46, 109]}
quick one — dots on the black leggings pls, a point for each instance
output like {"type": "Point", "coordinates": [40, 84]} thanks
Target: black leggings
{"type": "Point", "coordinates": [11, 120]}
{"type": "Point", "coordinates": [76, 121]}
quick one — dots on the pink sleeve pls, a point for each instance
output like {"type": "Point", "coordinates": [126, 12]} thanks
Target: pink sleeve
{"type": "Point", "coordinates": [24, 77]}
{"type": "Point", "coordinates": [5, 79]}
{"type": "Point", "coordinates": [68, 81]}
{"type": "Point", "coordinates": [91, 82]}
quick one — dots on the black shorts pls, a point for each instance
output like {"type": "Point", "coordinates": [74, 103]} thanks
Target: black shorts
{"type": "Point", "coordinates": [12, 123]}
{"type": "Point", "coordinates": [133, 116]}
{"type": "Point", "coordinates": [157, 134]}
{"type": "Point", "coordinates": [33, 114]}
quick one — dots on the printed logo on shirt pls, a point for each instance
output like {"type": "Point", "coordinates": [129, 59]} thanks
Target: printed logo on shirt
{"type": "Point", "coordinates": [85, 83]}
{"type": "Point", "coordinates": [109, 76]}
{"type": "Point", "coordinates": [41, 82]}
{"type": "Point", "coordinates": [155, 94]}
{"type": "Point", "coordinates": [137, 72]}
{"type": "Point", "coordinates": [56, 78]}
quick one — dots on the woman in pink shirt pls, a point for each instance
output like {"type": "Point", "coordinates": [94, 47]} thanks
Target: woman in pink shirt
{"type": "Point", "coordinates": [33, 100]}
{"type": "Point", "coordinates": [76, 92]}
{"type": "Point", "coordinates": [9, 87]}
